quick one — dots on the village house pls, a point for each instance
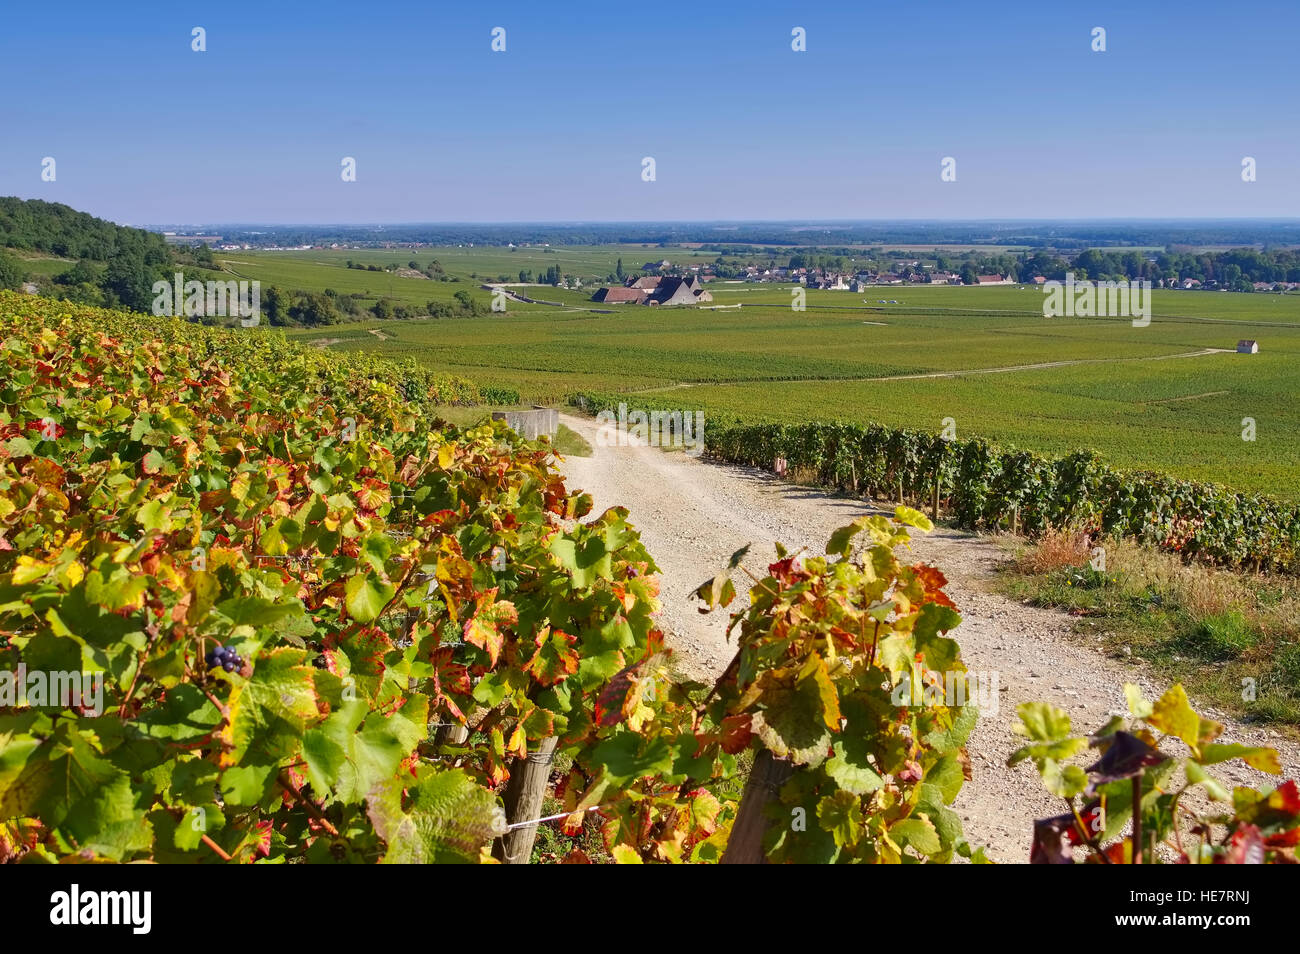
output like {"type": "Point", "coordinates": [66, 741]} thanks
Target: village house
{"type": "Point", "coordinates": [655, 290]}
{"type": "Point", "coordinates": [993, 280]}
{"type": "Point", "coordinates": [620, 295]}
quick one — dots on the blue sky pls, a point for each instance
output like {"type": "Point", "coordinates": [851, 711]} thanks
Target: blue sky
{"type": "Point", "coordinates": [144, 130]}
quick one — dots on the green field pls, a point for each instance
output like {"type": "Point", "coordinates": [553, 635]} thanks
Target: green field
{"type": "Point", "coordinates": [1144, 397]}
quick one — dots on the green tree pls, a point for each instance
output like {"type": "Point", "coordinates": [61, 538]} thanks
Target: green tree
{"type": "Point", "coordinates": [314, 308]}
{"type": "Point", "coordinates": [11, 271]}
{"type": "Point", "coordinates": [275, 306]}
{"type": "Point", "coordinates": [467, 302]}
{"type": "Point", "coordinates": [130, 281]}
{"type": "Point", "coordinates": [82, 272]}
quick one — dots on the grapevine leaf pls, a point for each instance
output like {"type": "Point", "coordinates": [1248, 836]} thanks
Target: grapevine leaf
{"type": "Point", "coordinates": [449, 819]}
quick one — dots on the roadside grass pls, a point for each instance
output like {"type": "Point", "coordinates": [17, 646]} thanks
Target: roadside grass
{"type": "Point", "coordinates": [570, 443]}
{"type": "Point", "coordinates": [567, 442]}
{"type": "Point", "coordinates": [1233, 638]}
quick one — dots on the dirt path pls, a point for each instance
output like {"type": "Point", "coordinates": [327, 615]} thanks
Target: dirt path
{"type": "Point", "coordinates": [694, 515]}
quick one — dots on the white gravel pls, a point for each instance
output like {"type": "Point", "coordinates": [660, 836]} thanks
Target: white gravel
{"type": "Point", "coordinates": [693, 515]}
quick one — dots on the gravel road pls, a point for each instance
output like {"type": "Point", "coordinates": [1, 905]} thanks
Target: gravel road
{"type": "Point", "coordinates": [693, 515]}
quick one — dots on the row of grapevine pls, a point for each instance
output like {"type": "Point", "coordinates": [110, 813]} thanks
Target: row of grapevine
{"type": "Point", "coordinates": [287, 582]}
{"type": "Point", "coordinates": [984, 486]}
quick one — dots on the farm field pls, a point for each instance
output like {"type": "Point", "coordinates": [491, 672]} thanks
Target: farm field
{"type": "Point", "coordinates": [1171, 396]}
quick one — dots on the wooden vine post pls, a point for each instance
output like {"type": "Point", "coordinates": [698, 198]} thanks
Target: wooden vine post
{"type": "Point", "coordinates": [523, 798]}
{"type": "Point", "coordinates": [938, 479]}
{"type": "Point", "coordinates": [745, 846]}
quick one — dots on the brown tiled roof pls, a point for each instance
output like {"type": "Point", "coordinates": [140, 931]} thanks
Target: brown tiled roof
{"type": "Point", "coordinates": [618, 295]}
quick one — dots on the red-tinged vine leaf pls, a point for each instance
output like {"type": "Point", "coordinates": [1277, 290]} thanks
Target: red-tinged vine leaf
{"type": "Point", "coordinates": [448, 819]}
{"type": "Point", "coordinates": [1285, 839]}
{"type": "Point", "coordinates": [815, 669]}
{"type": "Point", "coordinates": [793, 722]}
{"type": "Point", "coordinates": [365, 649]}
{"type": "Point", "coordinates": [736, 732]}
{"type": "Point", "coordinates": [932, 583]}
{"type": "Point", "coordinates": [1280, 807]}
{"type": "Point", "coordinates": [410, 470]}
{"type": "Point", "coordinates": [1125, 756]}
{"type": "Point", "coordinates": [790, 570]}
{"type": "Point", "coordinates": [372, 495]}
{"type": "Point", "coordinates": [625, 693]}
{"type": "Point", "coordinates": [450, 679]}
{"type": "Point", "coordinates": [517, 745]}
{"type": "Point", "coordinates": [1245, 847]}
{"type": "Point", "coordinates": [555, 659]}
{"type": "Point", "coordinates": [262, 838]}
{"type": "Point", "coordinates": [1052, 840]}
{"type": "Point", "coordinates": [484, 628]}
{"type": "Point", "coordinates": [576, 857]}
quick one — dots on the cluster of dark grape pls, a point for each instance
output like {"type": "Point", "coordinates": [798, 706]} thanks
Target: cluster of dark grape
{"type": "Point", "coordinates": [225, 657]}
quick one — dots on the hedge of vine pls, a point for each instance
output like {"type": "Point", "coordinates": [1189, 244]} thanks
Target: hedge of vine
{"type": "Point", "coordinates": [984, 486]}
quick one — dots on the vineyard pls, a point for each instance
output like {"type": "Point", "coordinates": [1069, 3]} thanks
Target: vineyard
{"type": "Point", "coordinates": [1166, 397]}
{"type": "Point", "coordinates": [291, 616]}
{"type": "Point", "coordinates": [982, 486]}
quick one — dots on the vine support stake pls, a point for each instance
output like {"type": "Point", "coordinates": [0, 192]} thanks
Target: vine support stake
{"type": "Point", "coordinates": [523, 798]}
{"type": "Point", "coordinates": [1137, 819]}
{"type": "Point", "coordinates": [935, 511]}
{"type": "Point", "coordinates": [745, 846]}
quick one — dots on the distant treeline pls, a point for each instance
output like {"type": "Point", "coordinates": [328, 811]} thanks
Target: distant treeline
{"type": "Point", "coordinates": [1063, 235]}
{"type": "Point", "coordinates": [37, 226]}
{"type": "Point", "coordinates": [116, 267]}
{"type": "Point", "coordinates": [1236, 269]}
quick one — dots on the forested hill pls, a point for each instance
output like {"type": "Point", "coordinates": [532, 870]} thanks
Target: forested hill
{"type": "Point", "coordinates": [38, 226]}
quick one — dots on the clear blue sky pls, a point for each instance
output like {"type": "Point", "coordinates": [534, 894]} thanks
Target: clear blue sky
{"type": "Point", "coordinates": [144, 130]}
